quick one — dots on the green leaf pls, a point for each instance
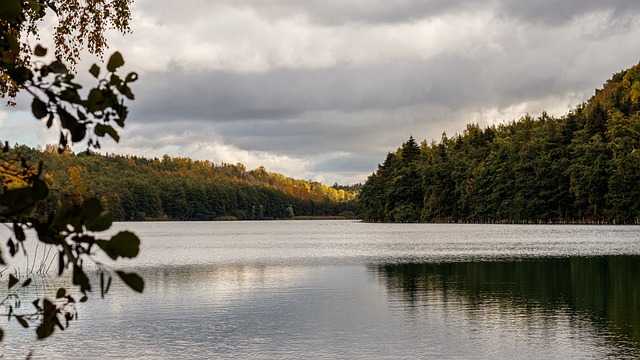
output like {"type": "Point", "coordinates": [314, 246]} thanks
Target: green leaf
{"type": "Point", "coordinates": [34, 5]}
{"type": "Point", "coordinates": [91, 208]}
{"type": "Point", "coordinates": [1, 334]}
{"type": "Point", "coordinates": [115, 80]}
{"type": "Point", "coordinates": [39, 108]}
{"type": "Point", "coordinates": [78, 133]}
{"type": "Point", "coordinates": [71, 95]}
{"type": "Point", "coordinates": [11, 10]}
{"type": "Point", "coordinates": [101, 130]}
{"type": "Point", "coordinates": [126, 91]}
{"type": "Point", "coordinates": [131, 77]}
{"type": "Point", "coordinates": [40, 50]}
{"type": "Point", "coordinates": [95, 71]}
{"type": "Point", "coordinates": [26, 283]}
{"type": "Point", "coordinates": [57, 67]}
{"type": "Point", "coordinates": [96, 101]}
{"type": "Point", "coordinates": [62, 292]}
{"type": "Point", "coordinates": [101, 222]}
{"type": "Point", "coordinates": [12, 280]}
{"type": "Point", "coordinates": [133, 280]}
{"type": "Point", "coordinates": [115, 61]}
{"type": "Point", "coordinates": [124, 244]}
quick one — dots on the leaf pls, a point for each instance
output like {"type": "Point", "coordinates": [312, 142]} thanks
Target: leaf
{"type": "Point", "coordinates": [115, 80]}
{"type": "Point", "coordinates": [50, 121]}
{"type": "Point", "coordinates": [91, 208]}
{"type": "Point", "coordinates": [11, 10]}
{"type": "Point", "coordinates": [95, 71]}
{"type": "Point", "coordinates": [115, 61]}
{"type": "Point", "coordinates": [12, 247]}
{"type": "Point", "coordinates": [131, 77]}
{"type": "Point", "coordinates": [101, 130]}
{"type": "Point", "coordinates": [1, 334]}
{"type": "Point", "coordinates": [62, 292]}
{"type": "Point", "coordinates": [12, 280]}
{"type": "Point", "coordinates": [70, 95]}
{"type": "Point", "coordinates": [39, 108]}
{"type": "Point", "coordinates": [26, 283]}
{"type": "Point", "coordinates": [19, 232]}
{"type": "Point", "coordinates": [35, 6]}
{"type": "Point", "coordinates": [22, 321]}
{"type": "Point", "coordinates": [40, 50]}
{"type": "Point", "coordinates": [49, 319]}
{"type": "Point", "coordinates": [126, 91]}
{"type": "Point", "coordinates": [78, 133]}
{"type": "Point", "coordinates": [124, 244]}
{"type": "Point", "coordinates": [95, 101]}
{"type": "Point", "coordinates": [57, 67]}
{"type": "Point", "coordinates": [81, 279]}
{"type": "Point", "coordinates": [100, 223]}
{"type": "Point", "coordinates": [133, 280]}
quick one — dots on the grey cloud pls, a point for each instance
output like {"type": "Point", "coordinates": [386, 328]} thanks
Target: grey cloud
{"type": "Point", "coordinates": [350, 163]}
{"type": "Point", "coordinates": [535, 52]}
{"type": "Point", "coordinates": [556, 13]}
{"type": "Point", "coordinates": [327, 12]}
{"type": "Point", "coordinates": [285, 94]}
{"type": "Point", "coordinates": [337, 12]}
{"type": "Point", "coordinates": [367, 110]}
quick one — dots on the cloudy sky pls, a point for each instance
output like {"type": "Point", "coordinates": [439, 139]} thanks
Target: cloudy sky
{"type": "Point", "coordinates": [323, 90]}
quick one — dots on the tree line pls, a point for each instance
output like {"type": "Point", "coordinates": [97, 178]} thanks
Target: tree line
{"type": "Point", "coordinates": [583, 167]}
{"type": "Point", "coordinates": [136, 188]}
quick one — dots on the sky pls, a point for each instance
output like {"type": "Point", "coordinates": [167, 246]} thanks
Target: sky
{"type": "Point", "coordinates": [323, 90]}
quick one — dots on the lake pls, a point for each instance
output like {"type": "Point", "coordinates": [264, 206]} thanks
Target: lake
{"type": "Point", "coordinates": [350, 290]}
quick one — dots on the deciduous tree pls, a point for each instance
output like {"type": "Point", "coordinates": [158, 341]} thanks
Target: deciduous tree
{"type": "Point", "coordinates": [73, 230]}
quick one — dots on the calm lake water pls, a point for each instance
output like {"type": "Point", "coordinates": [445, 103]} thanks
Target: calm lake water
{"type": "Point", "coordinates": [349, 290]}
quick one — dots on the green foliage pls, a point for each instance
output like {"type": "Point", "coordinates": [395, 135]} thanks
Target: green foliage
{"type": "Point", "coordinates": [27, 201]}
{"type": "Point", "coordinates": [136, 189]}
{"type": "Point", "coordinates": [581, 168]}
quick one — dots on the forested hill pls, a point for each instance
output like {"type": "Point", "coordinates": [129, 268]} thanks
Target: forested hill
{"type": "Point", "coordinates": [581, 168]}
{"type": "Point", "coordinates": [138, 188]}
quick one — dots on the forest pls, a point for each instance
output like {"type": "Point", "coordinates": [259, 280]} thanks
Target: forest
{"type": "Point", "coordinates": [174, 188]}
{"type": "Point", "coordinates": [583, 167]}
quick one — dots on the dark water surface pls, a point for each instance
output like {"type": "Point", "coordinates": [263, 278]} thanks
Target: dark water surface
{"type": "Point", "coordinates": [339, 289]}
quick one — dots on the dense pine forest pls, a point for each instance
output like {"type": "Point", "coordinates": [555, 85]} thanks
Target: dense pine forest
{"type": "Point", "coordinates": [581, 168]}
{"type": "Point", "coordinates": [137, 188]}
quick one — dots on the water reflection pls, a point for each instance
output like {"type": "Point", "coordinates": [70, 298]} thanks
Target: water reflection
{"type": "Point", "coordinates": [598, 294]}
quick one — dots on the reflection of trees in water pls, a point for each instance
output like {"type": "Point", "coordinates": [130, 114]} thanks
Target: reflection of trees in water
{"type": "Point", "coordinates": [605, 291]}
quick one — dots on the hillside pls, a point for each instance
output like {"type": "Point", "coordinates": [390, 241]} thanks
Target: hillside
{"type": "Point", "coordinates": [581, 168]}
{"type": "Point", "coordinates": [137, 188]}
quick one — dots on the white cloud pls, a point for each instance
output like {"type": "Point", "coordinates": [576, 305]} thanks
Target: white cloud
{"type": "Point", "coordinates": [237, 38]}
{"type": "Point", "coordinates": [321, 90]}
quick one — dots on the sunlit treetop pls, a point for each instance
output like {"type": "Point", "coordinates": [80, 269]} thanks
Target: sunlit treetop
{"type": "Point", "coordinates": [81, 25]}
